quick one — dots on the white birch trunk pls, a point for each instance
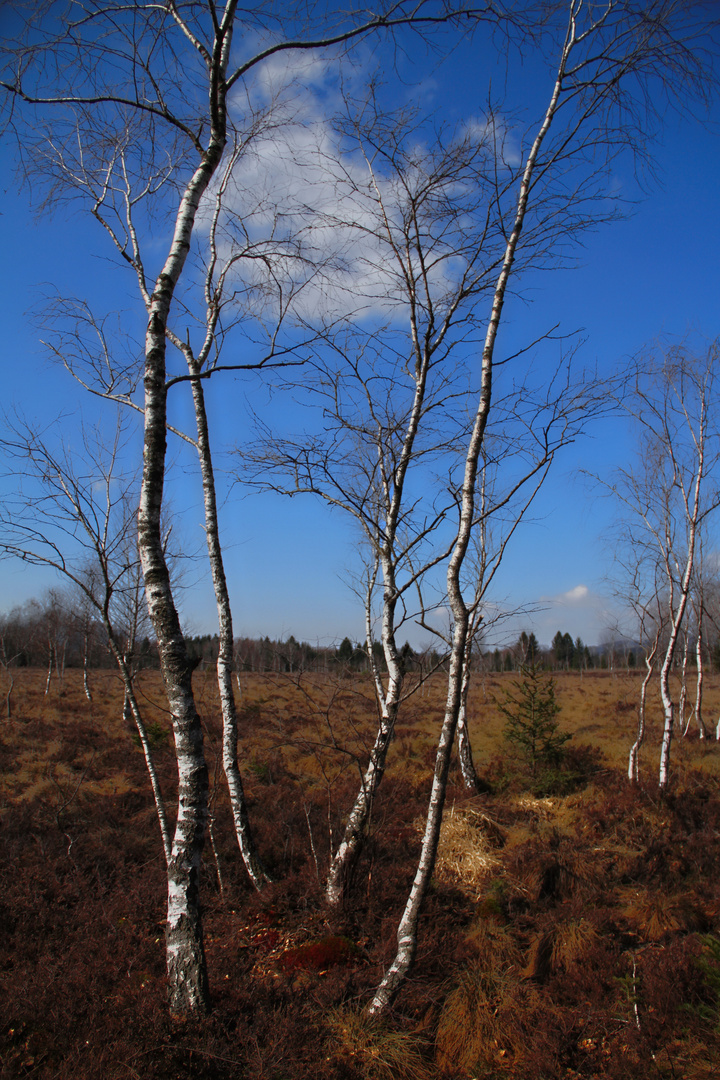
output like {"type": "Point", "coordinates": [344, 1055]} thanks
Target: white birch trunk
{"type": "Point", "coordinates": [86, 679]}
{"type": "Point", "coordinates": [465, 754]}
{"type": "Point", "coordinates": [682, 703]}
{"type": "Point", "coordinates": [187, 976]}
{"type": "Point", "coordinates": [49, 670]}
{"type": "Point", "coordinates": [693, 516]}
{"type": "Point", "coordinates": [407, 929]}
{"type": "Point", "coordinates": [633, 774]}
{"type": "Point", "coordinates": [345, 858]}
{"type": "Point", "coordinates": [254, 867]}
{"type": "Point", "coordinates": [699, 684]}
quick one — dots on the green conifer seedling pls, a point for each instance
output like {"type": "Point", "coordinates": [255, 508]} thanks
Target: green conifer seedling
{"type": "Point", "coordinates": [530, 712]}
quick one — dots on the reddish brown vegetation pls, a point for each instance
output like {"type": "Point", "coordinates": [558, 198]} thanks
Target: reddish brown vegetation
{"type": "Point", "coordinates": [569, 945]}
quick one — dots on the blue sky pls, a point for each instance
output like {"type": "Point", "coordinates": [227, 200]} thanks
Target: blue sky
{"type": "Point", "coordinates": [654, 275]}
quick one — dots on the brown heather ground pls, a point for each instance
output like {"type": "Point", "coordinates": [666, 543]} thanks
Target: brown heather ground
{"type": "Point", "coordinates": [564, 937]}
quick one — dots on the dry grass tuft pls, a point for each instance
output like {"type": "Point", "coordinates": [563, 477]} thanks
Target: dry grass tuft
{"type": "Point", "coordinates": [491, 1018]}
{"type": "Point", "coordinates": [572, 941]}
{"type": "Point", "coordinates": [467, 850]}
{"type": "Point", "coordinates": [494, 945]}
{"type": "Point", "coordinates": [468, 1031]}
{"type": "Point", "coordinates": [655, 916]}
{"type": "Point", "coordinates": [376, 1051]}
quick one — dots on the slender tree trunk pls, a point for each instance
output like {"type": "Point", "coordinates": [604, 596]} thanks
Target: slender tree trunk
{"type": "Point", "coordinates": [346, 856]}
{"type": "Point", "coordinates": [702, 733]}
{"type": "Point", "coordinates": [131, 711]}
{"type": "Point", "coordinates": [465, 754]}
{"type": "Point", "coordinates": [345, 859]}
{"type": "Point", "coordinates": [664, 772]}
{"type": "Point", "coordinates": [86, 681]}
{"type": "Point", "coordinates": [407, 929]}
{"type": "Point", "coordinates": [682, 703]}
{"type": "Point", "coordinates": [8, 706]}
{"type": "Point", "coordinates": [255, 869]}
{"type": "Point", "coordinates": [216, 857]}
{"type": "Point", "coordinates": [50, 670]}
{"type": "Point", "coordinates": [633, 774]}
{"type": "Point", "coordinates": [669, 713]}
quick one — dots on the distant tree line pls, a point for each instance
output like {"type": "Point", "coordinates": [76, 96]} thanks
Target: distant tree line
{"type": "Point", "coordinates": [54, 632]}
{"type": "Point", "coordinates": [568, 654]}
{"type": "Point", "coordinates": [57, 634]}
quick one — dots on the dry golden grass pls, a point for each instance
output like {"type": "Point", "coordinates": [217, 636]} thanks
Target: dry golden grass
{"type": "Point", "coordinates": [467, 852]}
{"type": "Point", "coordinates": [60, 740]}
{"type": "Point", "coordinates": [490, 1015]}
{"type": "Point", "coordinates": [655, 916]}
{"type": "Point", "coordinates": [572, 940]}
{"type": "Point", "coordinates": [542, 883]}
{"type": "Point", "coordinates": [599, 708]}
{"type": "Point", "coordinates": [378, 1051]}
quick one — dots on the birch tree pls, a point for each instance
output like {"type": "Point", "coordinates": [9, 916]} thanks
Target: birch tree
{"type": "Point", "coordinates": [674, 488]}
{"type": "Point", "coordinates": [382, 384]}
{"type": "Point", "coordinates": [512, 470]}
{"type": "Point", "coordinates": [639, 583]}
{"type": "Point", "coordinates": [135, 108]}
{"type": "Point", "coordinates": [73, 512]}
{"type": "Point", "coordinates": [605, 55]}
{"type": "Point", "coordinates": [389, 387]}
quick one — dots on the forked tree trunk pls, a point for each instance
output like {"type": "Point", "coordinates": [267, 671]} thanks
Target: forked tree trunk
{"type": "Point", "coordinates": [185, 954]}
{"type": "Point", "coordinates": [187, 975]}
{"type": "Point", "coordinates": [345, 858]}
{"type": "Point", "coordinates": [343, 863]}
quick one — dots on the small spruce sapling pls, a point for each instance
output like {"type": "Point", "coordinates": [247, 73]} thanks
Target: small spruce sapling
{"type": "Point", "coordinates": [530, 712]}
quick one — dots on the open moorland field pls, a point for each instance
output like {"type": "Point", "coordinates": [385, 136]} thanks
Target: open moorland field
{"type": "Point", "coordinates": [565, 936]}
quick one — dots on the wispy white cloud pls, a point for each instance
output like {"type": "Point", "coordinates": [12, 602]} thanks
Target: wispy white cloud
{"type": "Point", "coordinates": [579, 594]}
{"type": "Point", "coordinates": [309, 201]}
